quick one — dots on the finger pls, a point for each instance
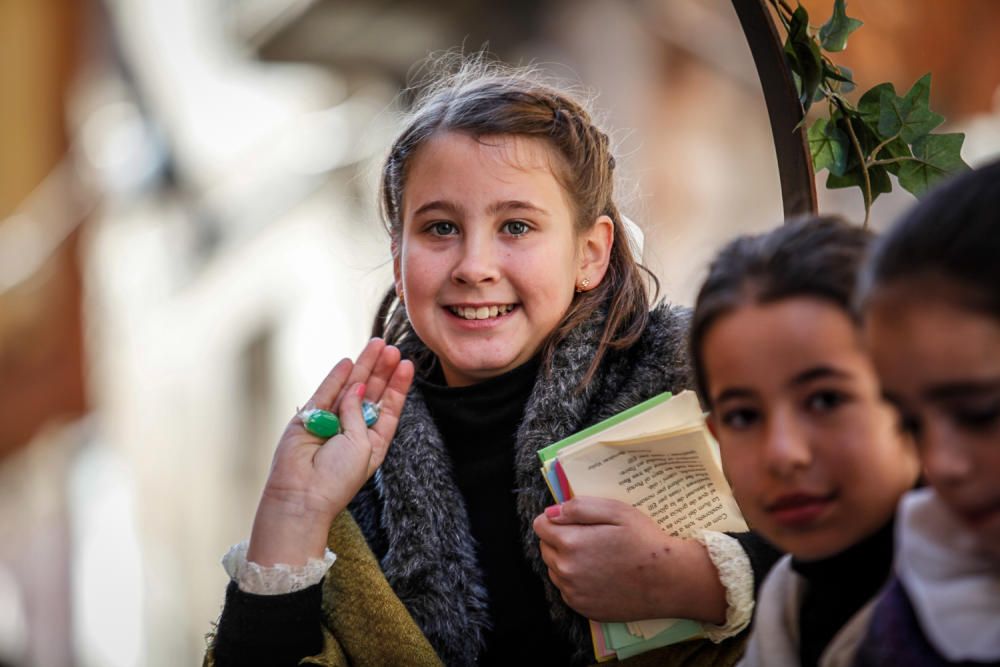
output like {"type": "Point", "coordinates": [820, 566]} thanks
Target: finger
{"type": "Point", "coordinates": [590, 510]}
{"type": "Point", "coordinates": [331, 386]}
{"type": "Point", "coordinates": [543, 528]}
{"type": "Point", "coordinates": [392, 400]}
{"type": "Point", "coordinates": [352, 422]}
{"type": "Point", "coordinates": [548, 554]}
{"type": "Point", "coordinates": [386, 364]}
{"type": "Point", "coordinates": [362, 368]}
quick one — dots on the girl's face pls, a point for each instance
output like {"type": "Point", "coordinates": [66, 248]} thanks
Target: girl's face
{"type": "Point", "coordinates": [940, 365]}
{"type": "Point", "coordinates": [813, 454]}
{"type": "Point", "coordinates": [489, 258]}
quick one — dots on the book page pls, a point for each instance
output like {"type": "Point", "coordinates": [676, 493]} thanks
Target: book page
{"type": "Point", "coordinates": [672, 479]}
{"type": "Point", "coordinates": [678, 413]}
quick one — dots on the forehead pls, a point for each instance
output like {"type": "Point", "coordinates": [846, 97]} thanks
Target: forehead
{"type": "Point", "coordinates": [456, 166]}
{"type": "Point", "coordinates": [765, 345]}
{"type": "Point", "coordinates": [926, 339]}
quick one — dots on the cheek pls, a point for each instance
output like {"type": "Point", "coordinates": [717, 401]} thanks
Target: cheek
{"type": "Point", "coordinates": [741, 471]}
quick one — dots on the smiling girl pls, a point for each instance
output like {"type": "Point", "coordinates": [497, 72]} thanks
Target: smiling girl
{"type": "Point", "coordinates": [814, 455]}
{"type": "Point", "coordinates": [526, 317]}
{"type": "Point", "coordinates": [932, 322]}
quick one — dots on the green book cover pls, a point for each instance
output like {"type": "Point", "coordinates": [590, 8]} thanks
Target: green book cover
{"type": "Point", "coordinates": [548, 453]}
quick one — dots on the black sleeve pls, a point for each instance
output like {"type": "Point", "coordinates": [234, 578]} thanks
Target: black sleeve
{"type": "Point", "coordinates": [272, 630]}
{"type": "Point", "coordinates": [762, 554]}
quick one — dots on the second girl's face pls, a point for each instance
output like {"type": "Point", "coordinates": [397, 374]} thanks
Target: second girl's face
{"type": "Point", "coordinates": [940, 364]}
{"type": "Point", "coordinates": [488, 257]}
{"type": "Point", "coordinates": [813, 454]}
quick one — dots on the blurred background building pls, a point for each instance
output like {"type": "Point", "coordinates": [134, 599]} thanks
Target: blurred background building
{"type": "Point", "coordinates": [188, 241]}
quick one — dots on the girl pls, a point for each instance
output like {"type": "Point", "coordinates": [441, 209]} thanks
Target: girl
{"type": "Point", "coordinates": [526, 317]}
{"type": "Point", "coordinates": [813, 454]}
{"type": "Point", "coordinates": [932, 322]}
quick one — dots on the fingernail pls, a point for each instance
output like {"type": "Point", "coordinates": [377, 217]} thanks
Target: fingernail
{"type": "Point", "coordinates": [360, 390]}
{"type": "Point", "coordinates": [552, 511]}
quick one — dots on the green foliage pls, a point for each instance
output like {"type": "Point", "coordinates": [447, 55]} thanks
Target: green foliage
{"type": "Point", "coordinates": [883, 134]}
{"type": "Point", "coordinates": [834, 33]}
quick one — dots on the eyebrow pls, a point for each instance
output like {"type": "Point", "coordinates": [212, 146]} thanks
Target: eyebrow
{"type": "Point", "coordinates": [514, 205]}
{"type": "Point", "coordinates": [439, 205]}
{"type": "Point", "coordinates": [733, 393]}
{"type": "Point", "coordinates": [819, 373]}
{"type": "Point", "coordinates": [455, 209]}
{"type": "Point", "coordinates": [962, 389]}
{"type": "Point", "coordinates": [805, 377]}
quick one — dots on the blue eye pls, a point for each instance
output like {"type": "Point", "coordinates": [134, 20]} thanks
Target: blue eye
{"type": "Point", "coordinates": [740, 418]}
{"type": "Point", "coordinates": [516, 227]}
{"type": "Point", "coordinates": [443, 228]}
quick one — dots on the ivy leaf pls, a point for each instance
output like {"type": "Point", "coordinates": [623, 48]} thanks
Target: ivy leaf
{"type": "Point", "coordinates": [897, 148]}
{"type": "Point", "coordinates": [803, 56]}
{"type": "Point", "coordinates": [855, 178]}
{"type": "Point", "coordinates": [870, 104]}
{"type": "Point", "coordinates": [835, 32]}
{"type": "Point", "coordinates": [847, 84]}
{"type": "Point", "coordinates": [828, 146]}
{"type": "Point", "coordinates": [909, 116]}
{"type": "Point", "coordinates": [937, 156]}
{"type": "Point", "coordinates": [853, 175]}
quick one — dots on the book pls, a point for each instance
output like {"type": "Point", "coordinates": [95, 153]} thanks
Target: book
{"type": "Point", "coordinates": [660, 458]}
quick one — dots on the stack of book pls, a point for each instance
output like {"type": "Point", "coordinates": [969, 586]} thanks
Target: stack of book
{"type": "Point", "coordinates": [659, 457]}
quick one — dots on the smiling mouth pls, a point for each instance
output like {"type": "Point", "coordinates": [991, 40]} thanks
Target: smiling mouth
{"type": "Point", "coordinates": [481, 312]}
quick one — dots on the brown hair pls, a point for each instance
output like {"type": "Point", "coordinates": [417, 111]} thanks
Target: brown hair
{"type": "Point", "coordinates": [817, 256]}
{"type": "Point", "coordinates": [482, 98]}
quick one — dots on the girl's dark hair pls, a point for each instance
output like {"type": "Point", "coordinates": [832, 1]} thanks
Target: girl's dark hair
{"type": "Point", "coordinates": [951, 238]}
{"type": "Point", "coordinates": [815, 256]}
{"type": "Point", "coordinates": [482, 98]}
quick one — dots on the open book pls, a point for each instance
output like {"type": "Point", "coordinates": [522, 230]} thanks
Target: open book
{"type": "Point", "coordinates": [660, 458]}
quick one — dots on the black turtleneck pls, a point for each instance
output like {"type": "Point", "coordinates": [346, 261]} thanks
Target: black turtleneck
{"type": "Point", "coordinates": [838, 587]}
{"type": "Point", "coordinates": [478, 424]}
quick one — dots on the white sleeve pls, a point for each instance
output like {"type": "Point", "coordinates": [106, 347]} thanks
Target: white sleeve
{"type": "Point", "coordinates": [736, 575]}
{"type": "Point", "coordinates": [278, 579]}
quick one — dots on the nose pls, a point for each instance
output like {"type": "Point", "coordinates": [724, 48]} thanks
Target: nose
{"type": "Point", "coordinates": [478, 262]}
{"type": "Point", "coordinates": [786, 446]}
{"type": "Point", "coordinates": [946, 461]}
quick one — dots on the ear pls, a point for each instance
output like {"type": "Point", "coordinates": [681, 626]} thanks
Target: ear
{"type": "Point", "coordinates": [595, 253]}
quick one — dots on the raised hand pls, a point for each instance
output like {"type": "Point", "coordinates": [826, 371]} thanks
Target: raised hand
{"type": "Point", "coordinates": [611, 562]}
{"type": "Point", "coordinates": [312, 480]}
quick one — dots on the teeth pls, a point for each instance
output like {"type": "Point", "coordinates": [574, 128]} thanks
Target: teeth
{"type": "Point", "coordinates": [481, 313]}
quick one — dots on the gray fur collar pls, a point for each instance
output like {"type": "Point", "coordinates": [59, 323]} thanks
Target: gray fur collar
{"type": "Point", "coordinates": [414, 516]}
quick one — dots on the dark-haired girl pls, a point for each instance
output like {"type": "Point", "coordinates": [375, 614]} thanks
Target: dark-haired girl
{"type": "Point", "coordinates": [521, 307]}
{"type": "Point", "coordinates": [931, 305]}
{"type": "Point", "coordinates": [813, 453]}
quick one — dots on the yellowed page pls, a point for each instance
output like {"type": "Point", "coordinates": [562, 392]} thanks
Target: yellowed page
{"type": "Point", "coordinates": [674, 479]}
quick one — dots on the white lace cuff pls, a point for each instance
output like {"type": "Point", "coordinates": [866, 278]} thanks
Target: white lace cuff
{"type": "Point", "coordinates": [736, 575]}
{"type": "Point", "coordinates": [278, 579]}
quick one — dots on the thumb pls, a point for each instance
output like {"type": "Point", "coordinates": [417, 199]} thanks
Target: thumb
{"type": "Point", "coordinates": [588, 510]}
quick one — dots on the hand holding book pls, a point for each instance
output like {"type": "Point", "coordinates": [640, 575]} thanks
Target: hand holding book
{"type": "Point", "coordinates": [593, 541]}
{"type": "Point", "coordinates": [658, 461]}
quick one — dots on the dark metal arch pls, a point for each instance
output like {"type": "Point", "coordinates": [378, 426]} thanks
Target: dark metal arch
{"type": "Point", "coordinates": [795, 169]}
